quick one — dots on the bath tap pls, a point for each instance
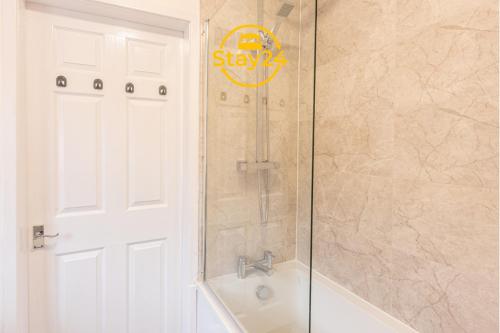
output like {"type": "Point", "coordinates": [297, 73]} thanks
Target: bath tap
{"type": "Point", "coordinates": [265, 265]}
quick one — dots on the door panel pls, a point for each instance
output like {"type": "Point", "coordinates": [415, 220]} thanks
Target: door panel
{"type": "Point", "coordinates": [146, 152]}
{"type": "Point", "coordinates": [79, 150]}
{"type": "Point", "coordinates": [80, 290]}
{"type": "Point", "coordinates": [146, 289]}
{"type": "Point", "coordinates": [78, 49]}
{"type": "Point", "coordinates": [103, 173]}
{"type": "Point", "coordinates": [145, 58]}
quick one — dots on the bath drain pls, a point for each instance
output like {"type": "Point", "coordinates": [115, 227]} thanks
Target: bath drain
{"type": "Point", "coordinates": [263, 293]}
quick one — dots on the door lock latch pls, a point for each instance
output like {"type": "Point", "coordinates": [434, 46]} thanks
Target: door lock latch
{"type": "Point", "coordinates": [39, 236]}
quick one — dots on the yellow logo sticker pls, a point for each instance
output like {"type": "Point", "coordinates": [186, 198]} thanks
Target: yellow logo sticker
{"type": "Point", "coordinates": [254, 46]}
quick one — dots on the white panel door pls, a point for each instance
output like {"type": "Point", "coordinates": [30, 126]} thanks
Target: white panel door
{"type": "Point", "coordinates": [103, 167]}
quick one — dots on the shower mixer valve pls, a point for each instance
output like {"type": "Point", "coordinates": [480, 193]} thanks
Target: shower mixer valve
{"type": "Point", "coordinates": [265, 265]}
{"type": "Point", "coordinates": [244, 166]}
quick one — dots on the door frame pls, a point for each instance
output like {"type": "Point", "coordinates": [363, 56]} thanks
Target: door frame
{"type": "Point", "coordinates": [13, 233]}
{"type": "Point", "coordinates": [13, 258]}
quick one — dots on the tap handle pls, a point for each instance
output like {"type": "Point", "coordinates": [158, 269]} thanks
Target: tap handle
{"type": "Point", "coordinates": [242, 267]}
{"type": "Point", "coordinates": [243, 260]}
{"type": "Point", "coordinates": [268, 258]}
{"type": "Point", "coordinates": [268, 254]}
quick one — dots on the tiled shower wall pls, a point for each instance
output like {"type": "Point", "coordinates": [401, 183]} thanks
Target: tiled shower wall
{"type": "Point", "coordinates": [406, 158]}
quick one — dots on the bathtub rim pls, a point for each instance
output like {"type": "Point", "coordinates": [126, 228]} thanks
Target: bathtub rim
{"type": "Point", "coordinates": [223, 313]}
{"type": "Point", "coordinates": [370, 309]}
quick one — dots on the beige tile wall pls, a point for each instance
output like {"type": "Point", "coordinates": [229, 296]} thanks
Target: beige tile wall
{"type": "Point", "coordinates": [406, 158]}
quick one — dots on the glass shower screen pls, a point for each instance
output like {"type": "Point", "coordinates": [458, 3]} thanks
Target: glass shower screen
{"type": "Point", "coordinates": [259, 85]}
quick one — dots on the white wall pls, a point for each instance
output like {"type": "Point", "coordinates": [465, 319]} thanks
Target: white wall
{"type": "Point", "coordinates": [2, 175]}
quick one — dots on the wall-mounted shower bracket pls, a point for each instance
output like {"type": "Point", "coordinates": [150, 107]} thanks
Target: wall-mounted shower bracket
{"type": "Point", "coordinates": [244, 166]}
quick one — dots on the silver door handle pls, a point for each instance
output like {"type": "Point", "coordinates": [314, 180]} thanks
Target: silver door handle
{"type": "Point", "coordinates": [48, 236]}
{"type": "Point", "coordinates": [39, 236]}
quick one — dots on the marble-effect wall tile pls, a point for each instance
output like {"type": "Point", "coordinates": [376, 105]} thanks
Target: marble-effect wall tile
{"type": "Point", "coordinates": [406, 158]}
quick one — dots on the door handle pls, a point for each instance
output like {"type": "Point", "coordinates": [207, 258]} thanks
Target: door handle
{"type": "Point", "coordinates": [50, 236]}
{"type": "Point", "coordinates": [39, 236]}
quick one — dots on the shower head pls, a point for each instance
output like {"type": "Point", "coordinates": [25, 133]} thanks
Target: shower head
{"type": "Point", "coordinates": [285, 9]}
{"type": "Point", "coordinates": [282, 13]}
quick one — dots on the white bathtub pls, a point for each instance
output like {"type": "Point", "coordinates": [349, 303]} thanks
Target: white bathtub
{"type": "Point", "coordinates": [334, 309]}
{"type": "Point", "coordinates": [285, 311]}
